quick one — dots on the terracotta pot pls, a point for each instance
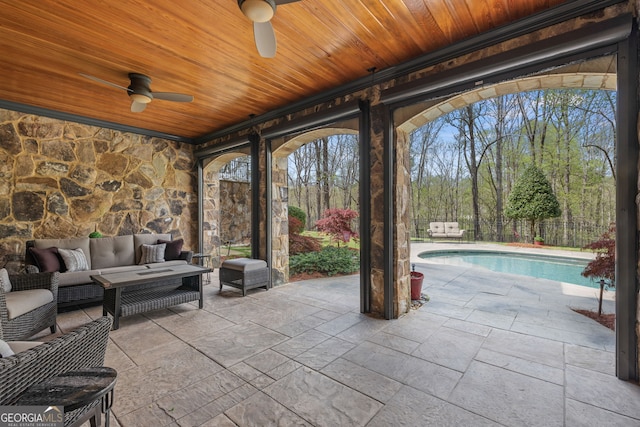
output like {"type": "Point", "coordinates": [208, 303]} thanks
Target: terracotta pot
{"type": "Point", "coordinates": [538, 243]}
{"type": "Point", "coordinates": [416, 285]}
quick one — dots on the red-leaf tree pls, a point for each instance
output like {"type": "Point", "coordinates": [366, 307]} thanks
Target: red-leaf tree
{"type": "Point", "coordinates": [603, 266]}
{"type": "Point", "coordinates": [338, 224]}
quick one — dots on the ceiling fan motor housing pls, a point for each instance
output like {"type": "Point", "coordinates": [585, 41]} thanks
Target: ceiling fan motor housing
{"type": "Point", "coordinates": [258, 10]}
{"type": "Point", "coordinates": [139, 89]}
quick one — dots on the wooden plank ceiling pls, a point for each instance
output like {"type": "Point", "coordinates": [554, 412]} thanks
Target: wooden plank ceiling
{"type": "Point", "coordinates": [206, 49]}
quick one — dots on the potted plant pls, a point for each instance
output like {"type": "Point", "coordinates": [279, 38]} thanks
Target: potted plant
{"type": "Point", "coordinates": [538, 241]}
{"type": "Point", "coordinates": [416, 283]}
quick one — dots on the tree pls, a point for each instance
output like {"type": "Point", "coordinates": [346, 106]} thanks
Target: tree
{"type": "Point", "coordinates": [604, 264]}
{"type": "Point", "coordinates": [337, 223]}
{"type": "Point", "coordinates": [532, 199]}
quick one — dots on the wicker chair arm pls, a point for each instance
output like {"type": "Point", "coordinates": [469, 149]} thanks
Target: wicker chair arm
{"type": "Point", "coordinates": [82, 348]}
{"type": "Point", "coordinates": [23, 282]}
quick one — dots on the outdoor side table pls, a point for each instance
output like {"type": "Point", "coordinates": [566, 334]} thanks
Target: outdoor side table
{"type": "Point", "coordinates": [74, 390]}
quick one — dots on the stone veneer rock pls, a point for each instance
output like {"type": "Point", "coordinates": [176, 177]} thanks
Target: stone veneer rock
{"type": "Point", "coordinates": [65, 179]}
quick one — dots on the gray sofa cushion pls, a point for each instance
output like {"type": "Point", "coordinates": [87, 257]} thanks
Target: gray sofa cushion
{"type": "Point", "coordinates": [111, 252]}
{"type": "Point", "coordinates": [77, 242]}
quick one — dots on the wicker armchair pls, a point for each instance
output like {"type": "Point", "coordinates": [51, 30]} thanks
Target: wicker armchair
{"type": "Point", "coordinates": [84, 347]}
{"type": "Point", "coordinates": [26, 325]}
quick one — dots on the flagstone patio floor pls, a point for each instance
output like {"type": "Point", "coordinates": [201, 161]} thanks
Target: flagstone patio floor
{"type": "Point", "coordinates": [488, 349]}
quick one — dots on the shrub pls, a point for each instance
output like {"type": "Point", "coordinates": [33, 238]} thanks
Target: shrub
{"type": "Point", "coordinates": [295, 225]}
{"type": "Point", "coordinates": [300, 215]}
{"type": "Point", "coordinates": [299, 244]}
{"type": "Point", "coordinates": [329, 261]}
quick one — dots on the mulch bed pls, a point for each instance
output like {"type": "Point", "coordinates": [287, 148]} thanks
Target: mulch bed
{"type": "Point", "coordinates": [608, 320]}
{"type": "Point", "coordinates": [525, 245]}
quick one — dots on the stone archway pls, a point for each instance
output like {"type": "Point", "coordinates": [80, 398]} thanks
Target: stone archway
{"type": "Point", "coordinates": [211, 213]}
{"type": "Point", "coordinates": [598, 74]}
{"type": "Point", "coordinates": [280, 200]}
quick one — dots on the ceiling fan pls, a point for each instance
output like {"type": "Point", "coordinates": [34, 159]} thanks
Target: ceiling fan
{"type": "Point", "coordinates": [139, 91]}
{"type": "Point", "coordinates": [261, 12]}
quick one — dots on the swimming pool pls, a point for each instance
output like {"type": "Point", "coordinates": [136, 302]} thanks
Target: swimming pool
{"type": "Point", "coordinates": [542, 266]}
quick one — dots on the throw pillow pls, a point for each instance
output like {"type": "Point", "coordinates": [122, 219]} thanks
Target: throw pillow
{"type": "Point", "coordinates": [4, 280]}
{"type": "Point", "coordinates": [46, 259]}
{"type": "Point", "coordinates": [74, 259]}
{"type": "Point", "coordinates": [5, 350]}
{"type": "Point", "coordinates": [173, 250]}
{"type": "Point", "coordinates": [152, 253]}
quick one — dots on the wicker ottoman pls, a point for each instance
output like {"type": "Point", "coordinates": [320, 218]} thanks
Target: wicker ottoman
{"type": "Point", "coordinates": [245, 273]}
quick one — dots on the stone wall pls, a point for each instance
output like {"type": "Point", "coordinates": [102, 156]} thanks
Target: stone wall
{"type": "Point", "coordinates": [235, 212]}
{"type": "Point", "coordinates": [64, 179]}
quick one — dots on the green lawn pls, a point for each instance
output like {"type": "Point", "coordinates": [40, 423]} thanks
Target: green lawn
{"type": "Point", "coordinates": [325, 240]}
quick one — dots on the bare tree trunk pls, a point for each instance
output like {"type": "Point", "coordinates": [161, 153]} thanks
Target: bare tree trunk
{"type": "Point", "coordinates": [467, 126]}
{"type": "Point", "coordinates": [318, 185]}
{"type": "Point", "coordinates": [326, 189]}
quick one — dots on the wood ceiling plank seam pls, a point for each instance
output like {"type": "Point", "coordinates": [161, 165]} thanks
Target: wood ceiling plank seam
{"type": "Point", "coordinates": [161, 46]}
{"type": "Point", "coordinates": [498, 10]}
{"type": "Point", "coordinates": [461, 18]}
{"type": "Point", "coordinates": [480, 12]}
{"type": "Point", "coordinates": [396, 44]}
{"type": "Point", "coordinates": [423, 18]}
{"type": "Point", "coordinates": [334, 17]}
{"type": "Point", "coordinates": [394, 12]}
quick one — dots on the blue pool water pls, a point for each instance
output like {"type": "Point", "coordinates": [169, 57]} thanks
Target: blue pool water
{"type": "Point", "coordinates": [545, 267]}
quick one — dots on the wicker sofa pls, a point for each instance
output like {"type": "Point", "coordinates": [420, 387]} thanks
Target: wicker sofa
{"type": "Point", "coordinates": [82, 348]}
{"type": "Point", "coordinates": [103, 255]}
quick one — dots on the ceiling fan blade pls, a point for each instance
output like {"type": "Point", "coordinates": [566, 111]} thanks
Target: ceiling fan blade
{"type": "Point", "coordinates": [175, 97]}
{"type": "Point", "coordinates": [279, 2]}
{"type": "Point", "coordinates": [95, 79]}
{"type": "Point", "coordinates": [265, 39]}
{"type": "Point", "coordinates": [138, 107]}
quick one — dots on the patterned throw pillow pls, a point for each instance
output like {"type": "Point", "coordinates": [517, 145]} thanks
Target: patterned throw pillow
{"type": "Point", "coordinates": [173, 250]}
{"type": "Point", "coordinates": [74, 259]}
{"type": "Point", "coordinates": [4, 280]}
{"type": "Point", "coordinates": [152, 253]}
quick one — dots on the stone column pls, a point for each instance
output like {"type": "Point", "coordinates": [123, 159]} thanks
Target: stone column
{"type": "Point", "coordinates": [400, 296]}
{"type": "Point", "coordinates": [211, 215]}
{"type": "Point", "coordinates": [280, 220]}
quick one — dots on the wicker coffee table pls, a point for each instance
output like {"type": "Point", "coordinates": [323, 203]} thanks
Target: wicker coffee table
{"type": "Point", "coordinates": [134, 292]}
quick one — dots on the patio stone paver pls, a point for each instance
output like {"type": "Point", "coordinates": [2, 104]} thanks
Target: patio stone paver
{"type": "Point", "coordinates": [589, 358]}
{"type": "Point", "coordinates": [508, 397]}
{"type": "Point", "coordinates": [261, 410]}
{"type": "Point", "coordinates": [603, 391]}
{"type": "Point", "coordinates": [324, 353]}
{"type": "Point", "coordinates": [578, 412]}
{"type": "Point", "coordinates": [365, 381]}
{"type": "Point", "coordinates": [321, 400]}
{"type": "Point", "coordinates": [451, 348]}
{"type": "Point", "coordinates": [486, 350]}
{"type": "Point", "coordinates": [238, 342]}
{"type": "Point", "coordinates": [411, 407]}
